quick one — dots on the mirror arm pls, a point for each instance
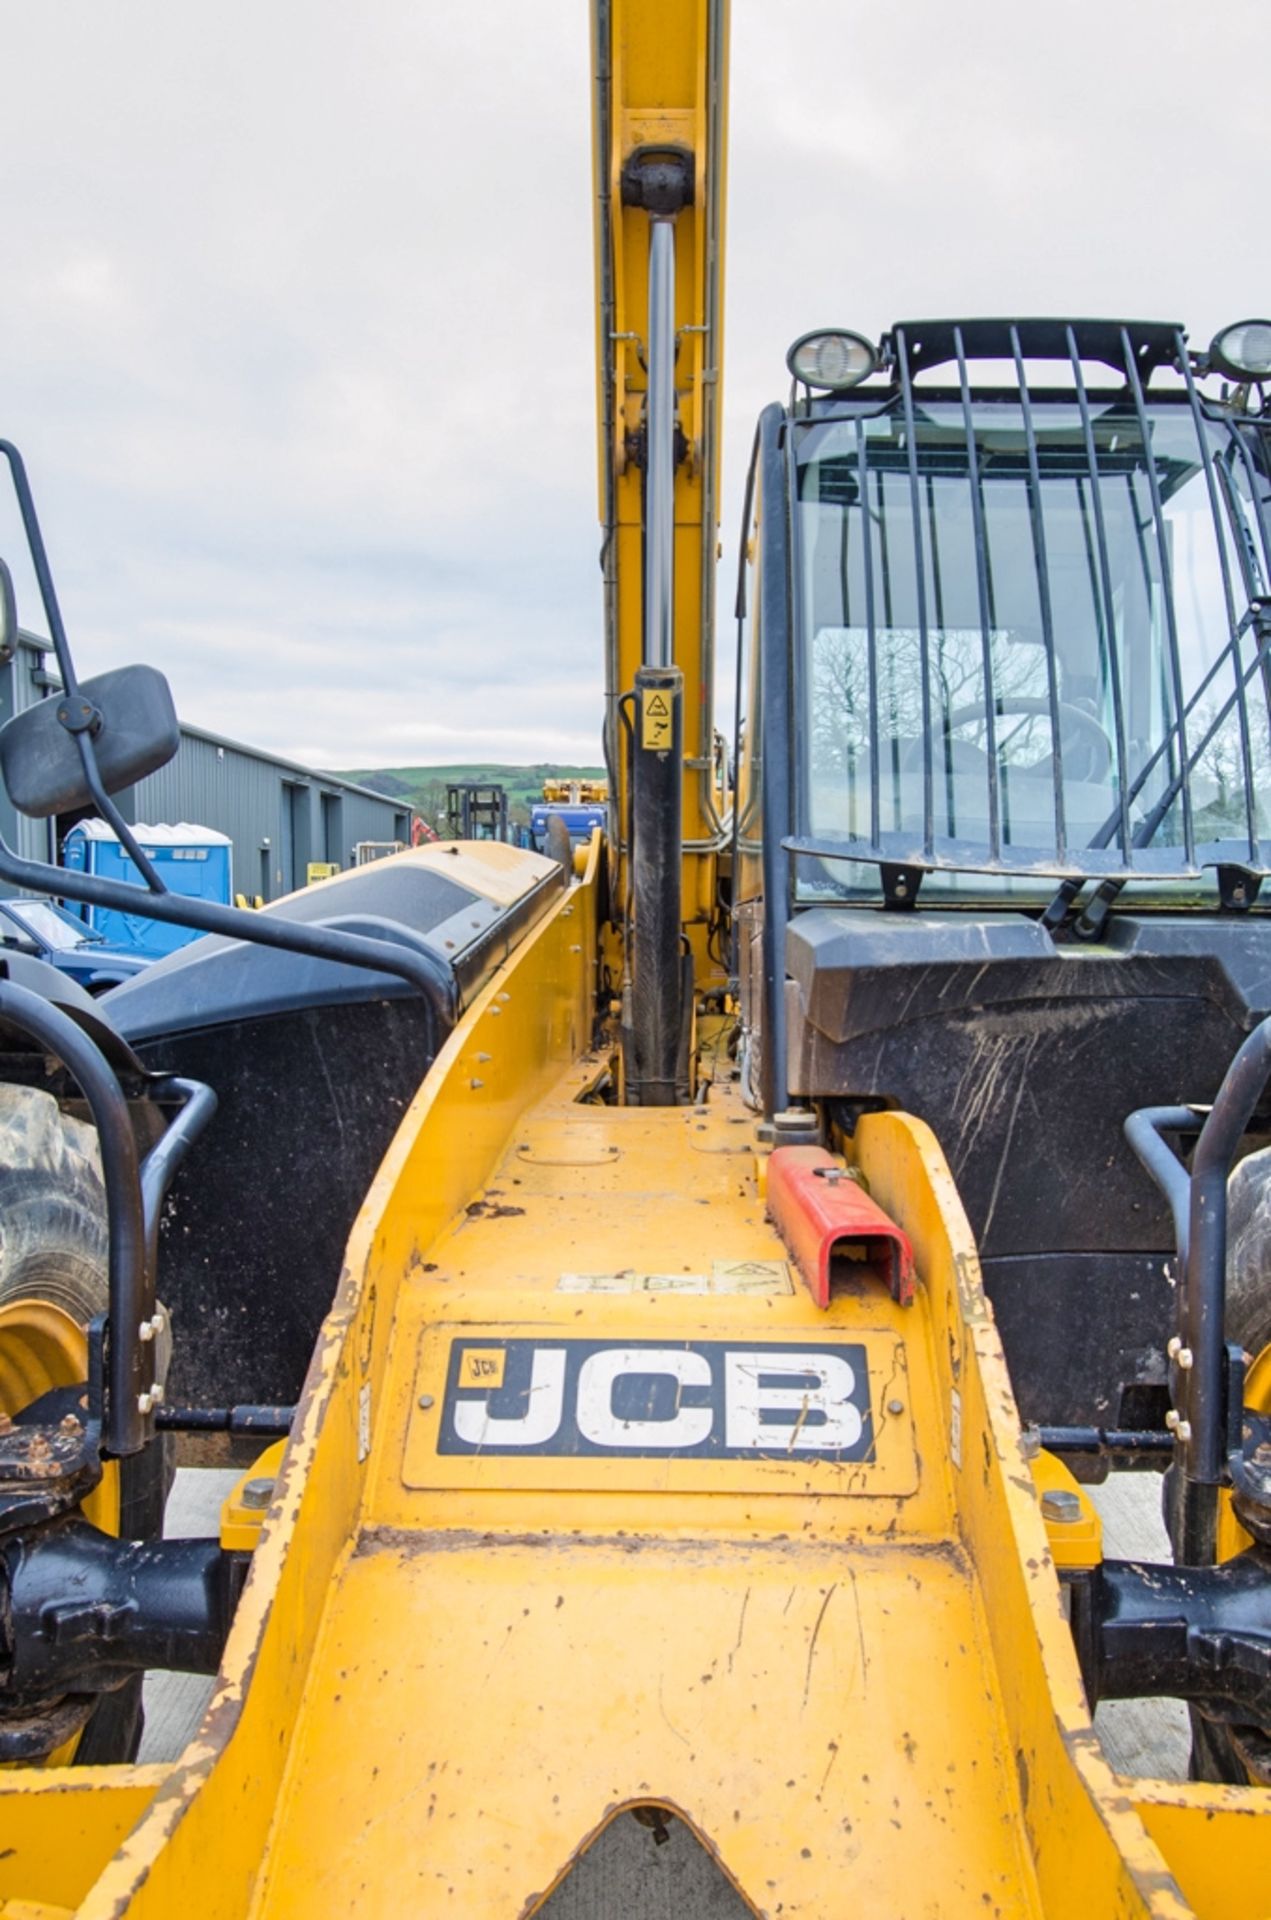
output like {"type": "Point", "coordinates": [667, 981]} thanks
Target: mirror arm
{"type": "Point", "coordinates": [112, 816]}
{"type": "Point", "coordinates": [426, 972]}
{"type": "Point", "coordinates": [66, 666]}
{"type": "Point", "coordinates": [40, 562]}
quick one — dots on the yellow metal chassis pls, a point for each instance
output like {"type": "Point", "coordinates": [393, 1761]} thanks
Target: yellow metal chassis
{"type": "Point", "coordinates": [444, 1678]}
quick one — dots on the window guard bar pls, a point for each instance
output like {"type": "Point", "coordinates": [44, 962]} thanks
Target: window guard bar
{"type": "Point", "coordinates": [1043, 584]}
{"type": "Point", "coordinates": [1167, 590]}
{"type": "Point", "coordinates": [1134, 350]}
{"type": "Point", "coordinates": [1229, 598]}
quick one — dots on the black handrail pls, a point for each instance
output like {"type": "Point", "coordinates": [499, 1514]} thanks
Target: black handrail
{"type": "Point", "coordinates": [128, 1425]}
{"type": "Point", "coordinates": [1199, 1205]}
{"type": "Point", "coordinates": [158, 1170]}
{"type": "Point", "coordinates": [427, 973]}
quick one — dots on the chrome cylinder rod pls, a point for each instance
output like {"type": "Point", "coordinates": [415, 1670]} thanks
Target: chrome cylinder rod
{"type": "Point", "coordinates": [659, 473]}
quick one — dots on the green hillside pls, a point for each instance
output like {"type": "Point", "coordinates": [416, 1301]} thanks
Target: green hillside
{"type": "Point", "coordinates": [424, 788]}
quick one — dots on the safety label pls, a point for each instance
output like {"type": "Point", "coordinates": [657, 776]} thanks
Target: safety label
{"type": "Point", "coordinates": [725, 1276]}
{"type": "Point", "coordinates": [655, 720]}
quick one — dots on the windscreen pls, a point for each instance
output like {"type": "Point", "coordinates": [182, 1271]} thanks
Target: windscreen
{"type": "Point", "coordinates": [1026, 640]}
{"type": "Point", "coordinates": [57, 930]}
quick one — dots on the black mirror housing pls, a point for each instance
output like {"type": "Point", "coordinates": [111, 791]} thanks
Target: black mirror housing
{"type": "Point", "coordinates": [137, 733]}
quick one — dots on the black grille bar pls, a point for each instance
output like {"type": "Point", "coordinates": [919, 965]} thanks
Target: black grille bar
{"type": "Point", "coordinates": [982, 588]}
{"type": "Point", "coordinates": [1107, 598]}
{"type": "Point", "coordinates": [871, 628]}
{"type": "Point", "coordinates": [1043, 590]}
{"type": "Point", "coordinates": [1250, 585]}
{"type": "Point", "coordinates": [1167, 590]}
{"type": "Point", "coordinates": [1255, 491]}
{"type": "Point", "coordinates": [920, 588]}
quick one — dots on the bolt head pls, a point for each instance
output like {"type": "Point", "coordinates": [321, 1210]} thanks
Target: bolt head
{"type": "Point", "coordinates": [257, 1494]}
{"type": "Point", "coordinates": [1058, 1503]}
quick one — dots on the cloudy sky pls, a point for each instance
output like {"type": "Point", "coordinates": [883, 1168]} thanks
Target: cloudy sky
{"type": "Point", "coordinates": [297, 334]}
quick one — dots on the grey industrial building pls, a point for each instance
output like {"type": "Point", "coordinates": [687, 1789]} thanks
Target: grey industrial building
{"type": "Point", "coordinates": [279, 815]}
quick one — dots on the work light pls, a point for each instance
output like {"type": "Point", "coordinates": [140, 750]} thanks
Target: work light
{"type": "Point", "coordinates": [1242, 351]}
{"type": "Point", "coordinates": [832, 358]}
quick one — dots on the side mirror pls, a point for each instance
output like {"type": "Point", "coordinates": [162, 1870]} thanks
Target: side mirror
{"type": "Point", "coordinates": [133, 726]}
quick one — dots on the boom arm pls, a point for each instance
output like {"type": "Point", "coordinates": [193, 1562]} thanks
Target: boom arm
{"type": "Point", "coordinates": [659, 105]}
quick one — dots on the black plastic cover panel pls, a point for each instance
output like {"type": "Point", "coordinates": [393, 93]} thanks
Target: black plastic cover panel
{"type": "Point", "coordinates": [216, 980]}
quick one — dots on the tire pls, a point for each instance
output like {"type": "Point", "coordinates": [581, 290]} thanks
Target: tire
{"type": "Point", "coordinates": [1230, 1755]}
{"type": "Point", "coordinates": [53, 1254]}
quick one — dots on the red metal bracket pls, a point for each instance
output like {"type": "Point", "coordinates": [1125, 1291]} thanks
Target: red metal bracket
{"type": "Point", "coordinates": [836, 1234]}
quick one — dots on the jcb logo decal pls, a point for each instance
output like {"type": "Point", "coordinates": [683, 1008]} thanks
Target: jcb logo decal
{"type": "Point", "coordinates": [704, 1399]}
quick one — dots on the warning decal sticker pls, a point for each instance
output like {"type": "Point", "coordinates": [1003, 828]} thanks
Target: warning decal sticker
{"type": "Point", "coordinates": [655, 720]}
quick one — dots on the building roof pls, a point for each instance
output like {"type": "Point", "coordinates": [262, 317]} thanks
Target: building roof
{"type": "Point", "coordinates": [183, 834]}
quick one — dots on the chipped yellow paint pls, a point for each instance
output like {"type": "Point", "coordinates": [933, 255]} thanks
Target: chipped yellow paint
{"type": "Point", "coordinates": [853, 1693]}
{"type": "Point", "coordinates": [58, 1828]}
{"type": "Point", "coordinates": [1214, 1839]}
{"type": "Point", "coordinates": [241, 1524]}
{"type": "Point", "coordinates": [1076, 1543]}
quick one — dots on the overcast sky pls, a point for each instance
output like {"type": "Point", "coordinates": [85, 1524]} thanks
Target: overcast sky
{"type": "Point", "coordinates": [297, 334]}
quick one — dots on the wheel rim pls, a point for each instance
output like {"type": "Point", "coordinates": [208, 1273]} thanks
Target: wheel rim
{"type": "Point", "coordinates": [42, 1347]}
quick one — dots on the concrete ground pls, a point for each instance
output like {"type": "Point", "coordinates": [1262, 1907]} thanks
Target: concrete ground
{"type": "Point", "coordinates": [629, 1871]}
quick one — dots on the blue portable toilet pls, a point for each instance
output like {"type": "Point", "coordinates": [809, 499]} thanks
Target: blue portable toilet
{"type": "Point", "coordinates": [194, 861]}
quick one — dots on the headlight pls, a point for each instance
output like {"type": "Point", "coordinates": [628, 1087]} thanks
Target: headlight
{"type": "Point", "coordinates": [1242, 352]}
{"type": "Point", "coordinates": [833, 358]}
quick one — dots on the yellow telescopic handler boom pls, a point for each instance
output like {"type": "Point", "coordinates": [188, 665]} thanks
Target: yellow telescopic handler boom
{"type": "Point", "coordinates": [673, 1495]}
